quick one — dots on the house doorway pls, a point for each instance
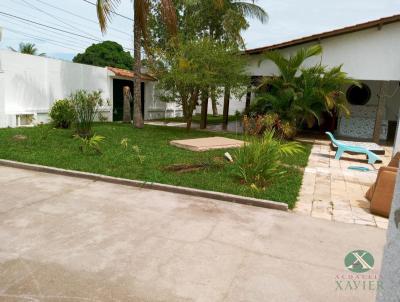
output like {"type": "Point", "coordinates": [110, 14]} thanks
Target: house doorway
{"type": "Point", "coordinates": [118, 98]}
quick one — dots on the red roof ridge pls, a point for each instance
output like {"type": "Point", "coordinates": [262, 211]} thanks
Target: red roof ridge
{"type": "Point", "coordinates": [129, 73]}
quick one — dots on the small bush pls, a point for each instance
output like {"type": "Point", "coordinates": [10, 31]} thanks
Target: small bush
{"type": "Point", "coordinates": [258, 162]}
{"type": "Point", "coordinates": [86, 106]}
{"type": "Point", "coordinates": [62, 114]}
{"type": "Point", "coordinates": [270, 121]}
{"type": "Point", "coordinates": [90, 143]}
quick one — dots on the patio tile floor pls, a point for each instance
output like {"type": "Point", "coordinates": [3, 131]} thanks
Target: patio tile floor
{"type": "Point", "coordinates": [333, 192]}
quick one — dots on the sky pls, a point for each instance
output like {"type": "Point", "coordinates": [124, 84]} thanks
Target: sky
{"type": "Point", "coordinates": [288, 19]}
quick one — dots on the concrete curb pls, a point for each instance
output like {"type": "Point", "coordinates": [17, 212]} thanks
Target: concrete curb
{"type": "Point", "coordinates": [150, 185]}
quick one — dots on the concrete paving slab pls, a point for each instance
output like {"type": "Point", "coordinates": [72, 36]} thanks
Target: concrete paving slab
{"type": "Point", "coordinates": [330, 180]}
{"type": "Point", "coordinates": [207, 143]}
{"type": "Point", "coordinates": [97, 241]}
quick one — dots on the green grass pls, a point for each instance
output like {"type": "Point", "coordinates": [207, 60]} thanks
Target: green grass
{"type": "Point", "coordinates": [211, 120]}
{"type": "Point", "coordinates": [57, 148]}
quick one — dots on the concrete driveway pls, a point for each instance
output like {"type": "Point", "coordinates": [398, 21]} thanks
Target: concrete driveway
{"type": "Point", "coordinates": [69, 239]}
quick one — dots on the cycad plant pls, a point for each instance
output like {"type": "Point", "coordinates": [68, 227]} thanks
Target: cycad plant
{"type": "Point", "coordinates": [320, 90]}
{"type": "Point", "coordinates": [259, 161]}
{"type": "Point", "coordinates": [301, 94]}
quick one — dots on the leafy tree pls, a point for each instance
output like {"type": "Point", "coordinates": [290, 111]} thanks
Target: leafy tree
{"type": "Point", "coordinates": [220, 21]}
{"type": "Point", "coordinates": [300, 94]}
{"type": "Point", "coordinates": [105, 9]}
{"type": "Point", "coordinates": [29, 49]}
{"type": "Point", "coordinates": [107, 53]}
{"type": "Point", "coordinates": [194, 67]}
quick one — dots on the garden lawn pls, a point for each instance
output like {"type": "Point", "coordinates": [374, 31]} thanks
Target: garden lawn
{"type": "Point", "coordinates": [57, 148]}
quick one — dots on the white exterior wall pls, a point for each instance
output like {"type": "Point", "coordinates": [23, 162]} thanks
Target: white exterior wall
{"type": "Point", "coordinates": [157, 109]}
{"type": "Point", "coordinates": [236, 103]}
{"type": "Point", "coordinates": [370, 54]}
{"type": "Point", "coordinates": [30, 84]}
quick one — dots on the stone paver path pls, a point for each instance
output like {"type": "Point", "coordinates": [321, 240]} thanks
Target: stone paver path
{"type": "Point", "coordinates": [331, 191]}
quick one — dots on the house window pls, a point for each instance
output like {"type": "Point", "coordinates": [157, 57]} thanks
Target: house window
{"type": "Point", "coordinates": [358, 95]}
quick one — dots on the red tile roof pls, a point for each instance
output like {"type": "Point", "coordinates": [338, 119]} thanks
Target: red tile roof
{"type": "Point", "coordinates": [129, 74]}
{"type": "Point", "coordinates": [337, 32]}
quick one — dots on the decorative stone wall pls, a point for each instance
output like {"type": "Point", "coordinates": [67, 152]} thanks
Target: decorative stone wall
{"type": "Point", "coordinates": [361, 123]}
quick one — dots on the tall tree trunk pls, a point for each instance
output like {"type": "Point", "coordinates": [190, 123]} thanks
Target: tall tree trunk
{"type": "Point", "coordinates": [227, 96]}
{"type": "Point", "coordinates": [192, 102]}
{"type": "Point", "coordinates": [137, 92]}
{"type": "Point", "coordinates": [248, 100]}
{"type": "Point", "coordinates": [127, 105]}
{"type": "Point", "coordinates": [214, 101]}
{"type": "Point", "coordinates": [380, 111]}
{"type": "Point", "coordinates": [204, 109]}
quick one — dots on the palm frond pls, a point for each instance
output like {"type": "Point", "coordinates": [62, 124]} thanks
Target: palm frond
{"type": "Point", "coordinates": [169, 15]}
{"type": "Point", "coordinates": [251, 10]}
{"type": "Point", "coordinates": [303, 54]}
{"type": "Point", "coordinates": [141, 10]}
{"type": "Point", "coordinates": [279, 60]}
{"type": "Point", "coordinates": [105, 9]}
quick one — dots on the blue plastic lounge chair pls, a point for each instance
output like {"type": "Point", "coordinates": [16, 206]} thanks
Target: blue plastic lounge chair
{"type": "Point", "coordinates": [341, 148]}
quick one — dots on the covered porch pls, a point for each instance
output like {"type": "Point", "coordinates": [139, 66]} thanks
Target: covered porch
{"type": "Point", "coordinates": [374, 107]}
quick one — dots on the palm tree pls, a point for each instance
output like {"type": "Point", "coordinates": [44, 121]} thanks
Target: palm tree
{"type": "Point", "coordinates": [244, 10]}
{"type": "Point", "coordinates": [300, 94]}
{"type": "Point", "coordinates": [289, 67]}
{"type": "Point", "coordinates": [141, 8]}
{"type": "Point", "coordinates": [29, 49]}
{"type": "Point", "coordinates": [224, 20]}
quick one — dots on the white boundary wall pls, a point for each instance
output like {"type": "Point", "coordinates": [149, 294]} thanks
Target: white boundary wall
{"type": "Point", "coordinates": [30, 84]}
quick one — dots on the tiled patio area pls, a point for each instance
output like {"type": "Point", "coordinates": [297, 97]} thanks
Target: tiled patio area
{"type": "Point", "coordinates": [331, 191]}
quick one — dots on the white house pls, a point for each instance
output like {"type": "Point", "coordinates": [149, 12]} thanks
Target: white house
{"type": "Point", "coordinates": [30, 84]}
{"type": "Point", "coordinates": [370, 53]}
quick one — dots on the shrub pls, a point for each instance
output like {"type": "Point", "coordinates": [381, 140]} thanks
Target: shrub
{"type": "Point", "coordinates": [270, 121]}
{"type": "Point", "coordinates": [62, 114]}
{"type": "Point", "coordinates": [90, 143]}
{"type": "Point", "coordinates": [258, 162]}
{"type": "Point", "coordinates": [253, 125]}
{"type": "Point", "coordinates": [299, 94]}
{"type": "Point", "coordinates": [86, 106]}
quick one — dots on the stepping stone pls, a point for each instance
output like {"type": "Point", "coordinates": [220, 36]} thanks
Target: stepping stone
{"type": "Point", "coordinates": [207, 143]}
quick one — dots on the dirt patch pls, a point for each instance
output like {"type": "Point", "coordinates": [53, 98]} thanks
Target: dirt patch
{"type": "Point", "coordinates": [19, 137]}
{"type": "Point", "coordinates": [183, 168]}
{"type": "Point", "coordinates": [216, 162]}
